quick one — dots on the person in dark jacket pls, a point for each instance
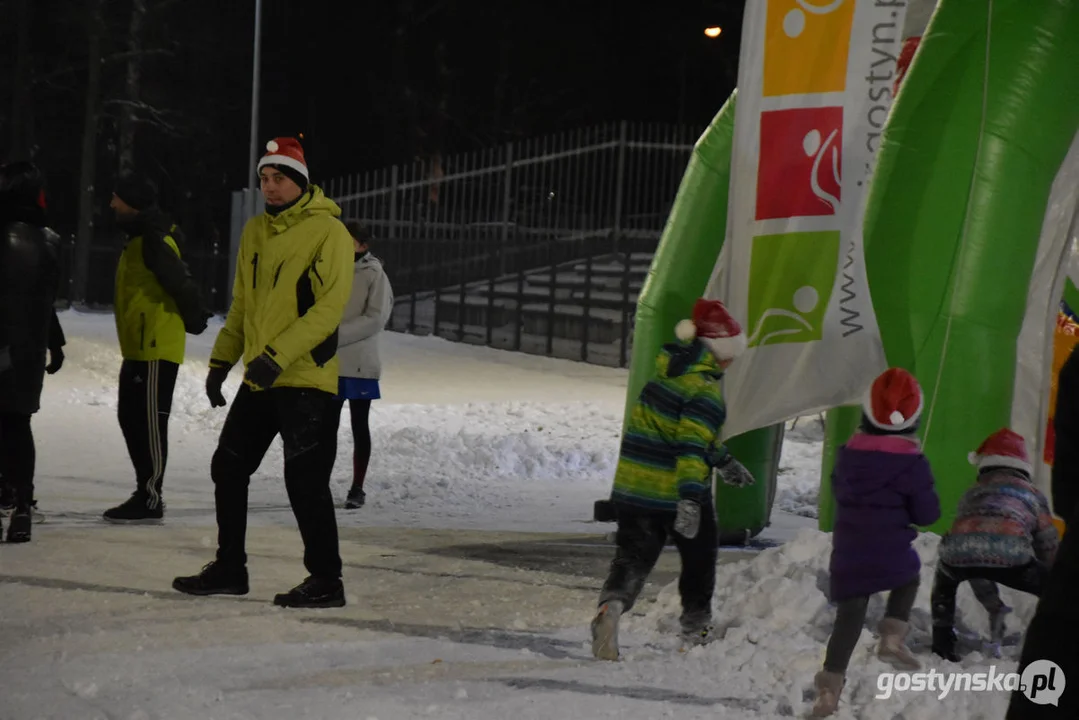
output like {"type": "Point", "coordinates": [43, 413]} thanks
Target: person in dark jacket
{"type": "Point", "coordinates": [1003, 533]}
{"type": "Point", "coordinates": [883, 488]}
{"type": "Point", "coordinates": [29, 274]}
{"type": "Point", "coordinates": [1053, 633]}
{"type": "Point", "coordinates": [155, 303]}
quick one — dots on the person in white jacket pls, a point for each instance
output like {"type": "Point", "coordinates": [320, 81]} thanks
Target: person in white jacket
{"type": "Point", "coordinates": [366, 314]}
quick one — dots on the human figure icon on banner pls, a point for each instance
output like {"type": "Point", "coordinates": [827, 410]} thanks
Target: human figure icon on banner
{"type": "Point", "coordinates": [805, 301]}
{"type": "Point", "coordinates": [819, 151]}
{"type": "Point", "coordinates": [794, 22]}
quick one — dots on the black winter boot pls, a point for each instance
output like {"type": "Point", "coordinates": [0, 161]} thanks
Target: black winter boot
{"type": "Point", "coordinates": [216, 578]}
{"type": "Point", "coordinates": [20, 525]}
{"type": "Point", "coordinates": [314, 593]}
{"type": "Point", "coordinates": [944, 643]}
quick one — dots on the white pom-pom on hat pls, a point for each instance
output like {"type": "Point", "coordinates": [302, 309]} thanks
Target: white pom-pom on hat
{"type": "Point", "coordinates": [685, 330]}
{"type": "Point", "coordinates": [272, 146]}
{"type": "Point", "coordinates": [973, 458]}
{"type": "Point", "coordinates": [897, 418]}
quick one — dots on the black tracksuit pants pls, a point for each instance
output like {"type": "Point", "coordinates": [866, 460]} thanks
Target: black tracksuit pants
{"type": "Point", "coordinates": [18, 457]}
{"type": "Point", "coordinates": [143, 410]}
{"type": "Point", "coordinates": [1029, 578]}
{"type": "Point", "coordinates": [640, 538]}
{"type": "Point", "coordinates": [299, 416]}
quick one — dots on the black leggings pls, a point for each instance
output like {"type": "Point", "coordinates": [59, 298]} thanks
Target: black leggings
{"type": "Point", "coordinates": [850, 618]}
{"type": "Point", "coordinates": [18, 457]}
{"type": "Point", "coordinates": [359, 413]}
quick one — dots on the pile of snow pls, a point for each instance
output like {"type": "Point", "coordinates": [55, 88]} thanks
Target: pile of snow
{"type": "Point", "coordinates": [465, 455]}
{"type": "Point", "coordinates": [457, 441]}
{"type": "Point", "coordinates": [798, 484]}
{"type": "Point", "coordinates": [773, 619]}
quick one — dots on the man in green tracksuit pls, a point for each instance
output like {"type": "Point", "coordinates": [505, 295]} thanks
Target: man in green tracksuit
{"type": "Point", "coordinates": [156, 303]}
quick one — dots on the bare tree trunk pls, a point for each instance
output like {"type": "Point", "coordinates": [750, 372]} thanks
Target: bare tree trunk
{"type": "Point", "coordinates": [88, 168]}
{"type": "Point", "coordinates": [20, 106]}
{"type": "Point", "coordinates": [132, 86]}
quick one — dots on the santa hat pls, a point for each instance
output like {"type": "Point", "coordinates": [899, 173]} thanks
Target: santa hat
{"type": "Point", "coordinates": [286, 154]}
{"type": "Point", "coordinates": [894, 402]}
{"type": "Point", "coordinates": [1003, 448]}
{"type": "Point", "coordinates": [715, 327]}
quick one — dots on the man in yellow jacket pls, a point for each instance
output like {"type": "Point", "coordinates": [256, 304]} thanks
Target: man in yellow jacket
{"type": "Point", "coordinates": [293, 279]}
{"type": "Point", "coordinates": [156, 302]}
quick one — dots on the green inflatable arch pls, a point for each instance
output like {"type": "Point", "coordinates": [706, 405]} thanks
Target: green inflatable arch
{"type": "Point", "coordinates": [973, 144]}
{"type": "Point", "coordinates": [955, 214]}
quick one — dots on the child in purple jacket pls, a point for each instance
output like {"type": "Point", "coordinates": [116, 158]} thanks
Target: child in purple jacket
{"type": "Point", "coordinates": [883, 488]}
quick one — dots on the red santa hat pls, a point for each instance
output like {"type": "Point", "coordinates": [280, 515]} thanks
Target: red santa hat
{"type": "Point", "coordinates": [894, 402]}
{"type": "Point", "coordinates": [1004, 448]}
{"type": "Point", "coordinates": [715, 327]}
{"type": "Point", "coordinates": [286, 152]}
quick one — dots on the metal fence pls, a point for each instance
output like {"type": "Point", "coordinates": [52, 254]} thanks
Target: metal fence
{"type": "Point", "coordinates": [538, 246]}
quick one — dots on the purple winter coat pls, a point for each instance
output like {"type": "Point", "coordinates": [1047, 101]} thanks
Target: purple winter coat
{"type": "Point", "coordinates": [883, 486]}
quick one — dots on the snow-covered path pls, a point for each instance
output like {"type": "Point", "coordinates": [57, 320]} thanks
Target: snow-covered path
{"type": "Point", "coordinates": [471, 574]}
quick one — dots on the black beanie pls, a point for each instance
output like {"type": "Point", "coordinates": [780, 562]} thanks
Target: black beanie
{"type": "Point", "coordinates": [138, 192]}
{"type": "Point", "coordinates": [294, 175]}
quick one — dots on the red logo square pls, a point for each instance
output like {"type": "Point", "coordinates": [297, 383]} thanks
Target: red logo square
{"type": "Point", "coordinates": [800, 163]}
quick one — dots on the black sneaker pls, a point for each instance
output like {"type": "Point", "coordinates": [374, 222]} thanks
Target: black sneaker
{"type": "Point", "coordinates": [695, 637]}
{"type": "Point", "coordinates": [136, 511]}
{"type": "Point", "coordinates": [314, 593]}
{"type": "Point", "coordinates": [20, 525]}
{"type": "Point", "coordinates": [214, 579]}
{"type": "Point", "coordinates": [356, 498]}
{"type": "Point", "coordinates": [944, 643]}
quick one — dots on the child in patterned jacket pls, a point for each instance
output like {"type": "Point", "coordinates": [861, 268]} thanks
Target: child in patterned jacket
{"type": "Point", "coordinates": [1003, 533]}
{"type": "Point", "coordinates": [663, 482]}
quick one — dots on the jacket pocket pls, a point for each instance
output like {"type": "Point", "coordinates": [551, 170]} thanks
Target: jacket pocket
{"type": "Point", "coordinates": [305, 300]}
{"type": "Point", "coordinates": [142, 331]}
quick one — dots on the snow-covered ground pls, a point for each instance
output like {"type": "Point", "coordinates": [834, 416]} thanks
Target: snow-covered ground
{"type": "Point", "coordinates": [471, 574]}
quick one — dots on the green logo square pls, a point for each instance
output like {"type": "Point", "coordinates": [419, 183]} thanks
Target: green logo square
{"type": "Point", "coordinates": [791, 277]}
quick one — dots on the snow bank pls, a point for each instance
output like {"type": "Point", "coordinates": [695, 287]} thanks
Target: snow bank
{"type": "Point", "coordinates": [774, 620]}
{"type": "Point", "coordinates": [460, 427]}
{"type": "Point", "coordinates": [465, 455]}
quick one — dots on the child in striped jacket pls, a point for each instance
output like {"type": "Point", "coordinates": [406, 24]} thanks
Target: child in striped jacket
{"type": "Point", "coordinates": [1003, 533]}
{"type": "Point", "coordinates": [663, 482]}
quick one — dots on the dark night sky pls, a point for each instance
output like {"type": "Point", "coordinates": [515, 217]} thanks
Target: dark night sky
{"type": "Point", "coordinates": [369, 83]}
{"type": "Point", "coordinates": [569, 64]}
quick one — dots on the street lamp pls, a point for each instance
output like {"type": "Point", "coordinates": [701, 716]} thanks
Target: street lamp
{"type": "Point", "coordinates": [713, 32]}
{"type": "Point", "coordinates": [252, 155]}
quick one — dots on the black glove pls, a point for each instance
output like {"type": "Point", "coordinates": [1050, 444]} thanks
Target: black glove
{"type": "Point", "coordinates": [214, 380]}
{"type": "Point", "coordinates": [195, 316]}
{"type": "Point", "coordinates": [262, 372]}
{"type": "Point", "coordinates": [56, 360]}
{"type": "Point", "coordinates": [196, 324]}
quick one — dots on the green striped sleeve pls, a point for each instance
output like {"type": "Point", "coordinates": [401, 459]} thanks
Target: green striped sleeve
{"type": "Point", "coordinates": [702, 418]}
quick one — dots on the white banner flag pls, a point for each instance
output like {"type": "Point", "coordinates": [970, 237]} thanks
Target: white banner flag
{"type": "Point", "coordinates": [814, 90]}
